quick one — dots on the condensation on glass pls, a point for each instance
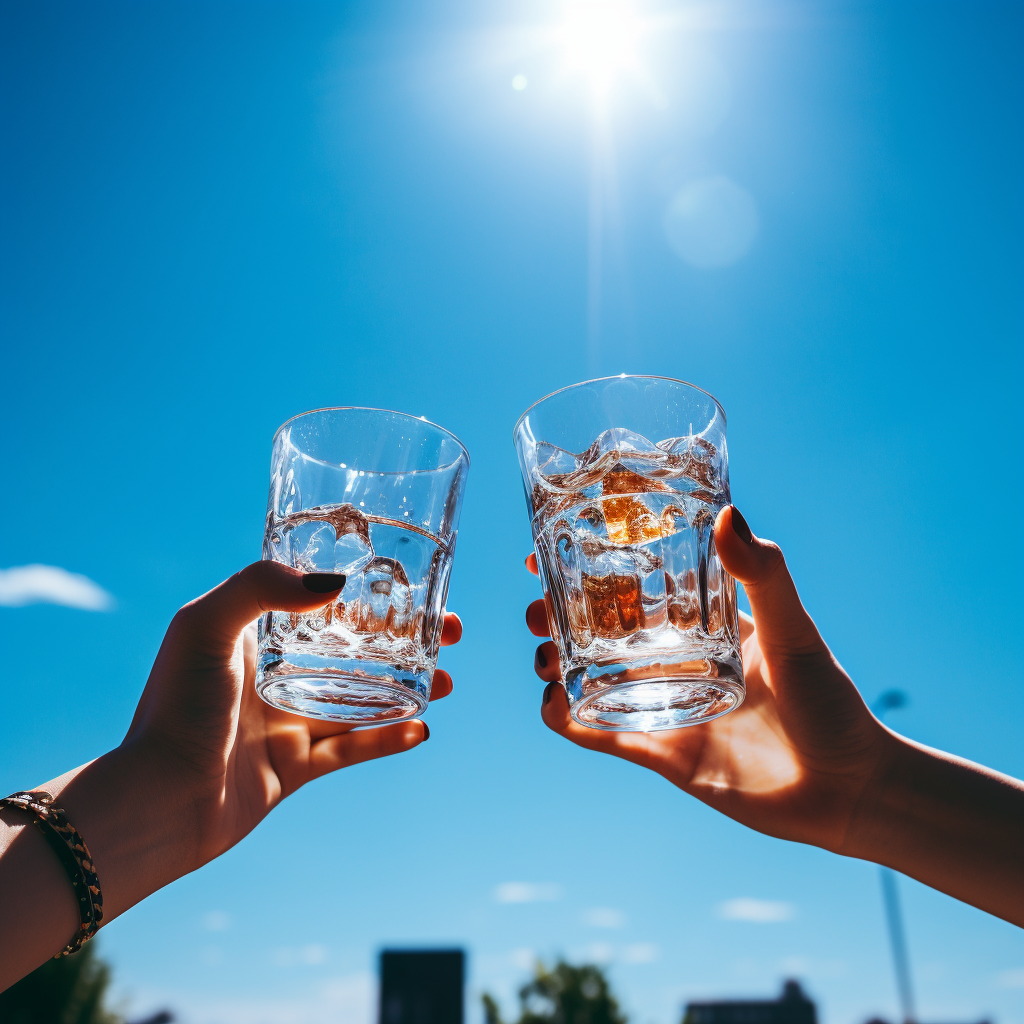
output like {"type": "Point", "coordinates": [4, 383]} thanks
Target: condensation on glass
{"type": "Point", "coordinates": [624, 478]}
{"type": "Point", "coordinates": [375, 495]}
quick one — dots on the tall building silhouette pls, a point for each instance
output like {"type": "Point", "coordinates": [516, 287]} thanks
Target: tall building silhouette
{"type": "Point", "coordinates": [422, 986]}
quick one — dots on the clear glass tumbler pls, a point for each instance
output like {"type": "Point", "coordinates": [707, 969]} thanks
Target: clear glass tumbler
{"type": "Point", "coordinates": [624, 478]}
{"type": "Point", "coordinates": [375, 495]}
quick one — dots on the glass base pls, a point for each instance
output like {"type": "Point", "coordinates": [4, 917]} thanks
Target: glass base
{"type": "Point", "coordinates": [654, 702]}
{"type": "Point", "coordinates": [360, 692]}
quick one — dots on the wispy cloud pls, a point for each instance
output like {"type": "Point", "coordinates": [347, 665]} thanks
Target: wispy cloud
{"type": "Point", "coordinates": [216, 921]}
{"type": "Point", "coordinates": [641, 953]}
{"type": "Point", "coordinates": [49, 584]}
{"type": "Point", "coordinates": [527, 892]}
{"type": "Point", "coordinates": [744, 908]}
{"type": "Point", "coordinates": [523, 958]}
{"type": "Point", "coordinates": [1011, 979]}
{"type": "Point", "coordinates": [600, 953]}
{"type": "Point", "coordinates": [604, 917]}
{"type": "Point", "coordinates": [313, 954]}
{"type": "Point", "coordinates": [350, 999]}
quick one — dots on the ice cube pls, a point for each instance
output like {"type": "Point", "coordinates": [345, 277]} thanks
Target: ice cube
{"type": "Point", "coordinates": [695, 457]}
{"type": "Point", "coordinates": [347, 520]}
{"type": "Point", "coordinates": [617, 439]}
{"type": "Point", "coordinates": [351, 554]}
{"type": "Point", "coordinates": [555, 461]}
{"type": "Point", "coordinates": [312, 545]}
{"type": "Point", "coordinates": [628, 519]}
{"type": "Point", "coordinates": [400, 617]}
{"type": "Point", "coordinates": [380, 578]}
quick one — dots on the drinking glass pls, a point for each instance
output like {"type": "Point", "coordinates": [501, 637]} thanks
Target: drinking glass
{"type": "Point", "coordinates": [375, 495]}
{"type": "Point", "coordinates": [624, 477]}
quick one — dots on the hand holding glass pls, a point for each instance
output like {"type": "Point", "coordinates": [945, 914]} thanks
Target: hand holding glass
{"type": "Point", "coordinates": [374, 495]}
{"type": "Point", "coordinates": [624, 478]}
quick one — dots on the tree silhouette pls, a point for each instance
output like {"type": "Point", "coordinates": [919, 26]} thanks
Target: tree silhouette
{"type": "Point", "coordinates": [563, 995]}
{"type": "Point", "coordinates": [70, 990]}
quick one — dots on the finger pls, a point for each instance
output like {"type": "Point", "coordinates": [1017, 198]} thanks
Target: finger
{"type": "Point", "coordinates": [537, 618]}
{"type": "Point", "coordinates": [341, 751]}
{"type": "Point", "coordinates": [783, 625]}
{"type": "Point", "coordinates": [640, 748]}
{"type": "Point", "coordinates": [747, 626]}
{"type": "Point", "coordinates": [531, 563]}
{"type": "Point", "coordinates": [441, 685]}
{"type": "Point", "coordinates": [545, 662]}
{"type": "Point", "coordinates": [451, 631]}
{"type": "Point", "coordinates": [222, 613]}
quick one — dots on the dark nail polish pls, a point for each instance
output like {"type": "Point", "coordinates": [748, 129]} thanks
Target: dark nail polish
{"type": "Point", "coordinates": [542, 658]}
{"type": "Point", "coordinates": [323, 582]}
{"type": "Point", "coordinates": [426, 732]}
{"type": "Point", "coordinates": [739, 526]}
{"type": "Point", "coordinates": [549, 691]}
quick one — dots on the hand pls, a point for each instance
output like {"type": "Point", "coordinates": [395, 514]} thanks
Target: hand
{"type": "Point", "coordinates": [204, 761]}
{"type": "Point", "coordinates": [804, 759]}
{"type": "Point", "coordinates": [202, 720]}
{"type": "Point", "coordinates": [795, 758]}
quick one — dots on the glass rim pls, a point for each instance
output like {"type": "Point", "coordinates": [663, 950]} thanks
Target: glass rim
{"type": "Point", "coordinates": [370, 408]}
{"type": "Point", "coordinates": [619, 376]}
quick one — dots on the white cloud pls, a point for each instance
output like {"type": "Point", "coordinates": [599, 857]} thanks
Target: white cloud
{"type": "Point", "coordinates": [527, 892]}
{"type": "Point", "coordinates": [216, 921]}
{"type": "Point", "coordinates": [795, 965]}
{"type": "Point", "coordinates": [600, 953]}
{"type": "Point", "coordinates": [523, 958]}
{"type": "Point", "coordinates": [604, 917]}
{"type": "Point", "coordinates": [743, 908]}
{"type": "Point", "coordinates": [352, 999]}
{"type": "Point", "coordinates": [641, 953]}
{"type": "Point", "coordinates": [48, 584]}
{"type": "Point", "coordinates": [285, 956]}
{"type": "Point", "coordinates": [1011, 979]}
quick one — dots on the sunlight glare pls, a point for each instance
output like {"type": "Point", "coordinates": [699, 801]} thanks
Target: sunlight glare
{"type": "Point", "coordinates": [599, 39]}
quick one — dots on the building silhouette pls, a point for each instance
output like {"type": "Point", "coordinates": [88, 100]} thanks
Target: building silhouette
{"type": "Point", "coordinates": [422, 986]}
{"type": "Point", "coordinates": [792, 1007]}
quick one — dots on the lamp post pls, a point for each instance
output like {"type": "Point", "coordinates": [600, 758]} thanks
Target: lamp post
{"type": "Point", "coordinates": [889, 701]}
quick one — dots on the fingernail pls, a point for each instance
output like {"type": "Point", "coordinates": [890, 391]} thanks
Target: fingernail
{"type": "Point", "coordinates": [549, 691]}
{"type": "Point", "coordinates": [426, 733]}
{"type": "Point", "coordinates": [542, 658]}
{"type": "Point", "coordinates": [739, 526]}
{"type": "Point", "coordinates": [323, 582]}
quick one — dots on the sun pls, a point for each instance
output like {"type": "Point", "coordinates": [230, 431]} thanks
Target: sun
{"type": "Point", "coordinates": [599, 40]}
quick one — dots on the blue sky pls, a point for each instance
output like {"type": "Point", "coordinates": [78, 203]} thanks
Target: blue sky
{"type": "Point", "coordinates": [214, 216]}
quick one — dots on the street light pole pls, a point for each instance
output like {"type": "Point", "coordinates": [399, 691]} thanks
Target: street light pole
{"type": "Point", "coordinates": [888, 701]}
{"type": "Point", "coordinates": [897, 939]}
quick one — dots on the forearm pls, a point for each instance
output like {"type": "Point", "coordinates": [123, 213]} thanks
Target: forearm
{"type": "Point", "coordinates": [952, 824]}
{"type": "Point", "coordinates": [127, 817]}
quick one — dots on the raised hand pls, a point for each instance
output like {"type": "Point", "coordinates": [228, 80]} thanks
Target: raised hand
{"type": "Point", "coordinates": [236, 754]}
{"type": "Point", "coordinates": [204, 761]}
{"type": "Point", "coordinates": [804, 759]}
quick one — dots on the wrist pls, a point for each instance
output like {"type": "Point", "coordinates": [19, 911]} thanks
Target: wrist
{"type": "Point", "coordinates": [137, 821]}
{"type": "Point", "coordinates": [880, 807]}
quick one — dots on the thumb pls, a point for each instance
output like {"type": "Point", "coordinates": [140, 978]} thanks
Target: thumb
{"type": "Point", "coordinates": [783, 625]}
{"type": "Point", "coordinates": [221, 614]}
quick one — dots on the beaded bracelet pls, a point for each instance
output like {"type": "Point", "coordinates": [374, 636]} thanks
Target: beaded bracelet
{"type": "Point", "coordinates": [74, 855]}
